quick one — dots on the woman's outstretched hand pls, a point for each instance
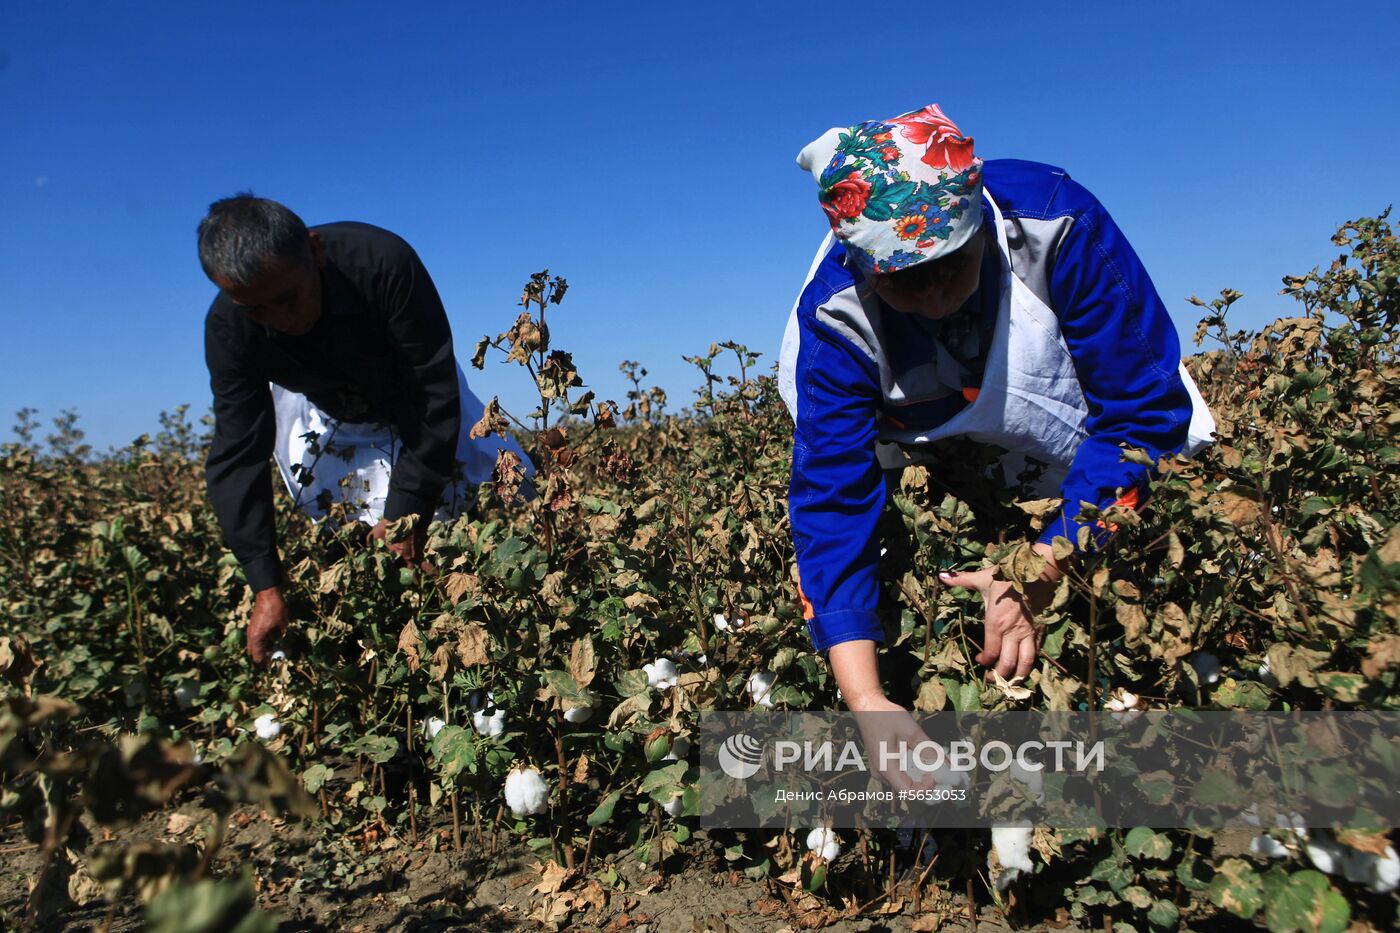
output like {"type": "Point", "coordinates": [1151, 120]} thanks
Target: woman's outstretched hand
{"type": "Point", "coordinates": [1012, 639]}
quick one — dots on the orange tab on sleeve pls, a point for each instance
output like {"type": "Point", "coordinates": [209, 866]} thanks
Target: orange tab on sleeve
{"type": "Point", "coordinates": [971, 392]}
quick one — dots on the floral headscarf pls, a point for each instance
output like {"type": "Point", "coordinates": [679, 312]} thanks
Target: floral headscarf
{"type": "Point", "coordinates": [898, 191]}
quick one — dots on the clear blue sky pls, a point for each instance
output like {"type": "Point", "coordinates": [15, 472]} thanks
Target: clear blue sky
{"type": "Point", "coordinates": [643, 151]}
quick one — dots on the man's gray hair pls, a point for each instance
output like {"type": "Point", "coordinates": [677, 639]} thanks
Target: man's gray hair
{"type": "Point", "coordinates": [242, 236]}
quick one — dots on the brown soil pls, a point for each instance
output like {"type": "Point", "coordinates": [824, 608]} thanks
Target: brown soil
{"type": "Point", "coordinates": [432, 888]}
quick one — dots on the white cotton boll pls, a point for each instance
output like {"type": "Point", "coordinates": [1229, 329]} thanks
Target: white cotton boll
{"type": "Point", "coordinates": [1268, 847]}
{"type": "Point", "coordinates": [267, 727]}
{"type": "Point", "coordinates": [724, 624]}
{"type": "Point", "coordinates": [1012, 847]}
{"type": "Point", "coordinates": [431, 727]}
{"type": "Point", "coordinates": [680, 747]}
{"type": "Point", "coordinates": [1124, 706]}
{"type": "Point", "coordinates": [825, 843]}
{"type": "Point", "coordinates": [661, 673]}
{"type": "Point", "coordinates": [1266, 674]}
{"type": "Point", "coordinates": [186, 692]}
{"type": "Point", "coordinates": [1383, 872]}
{"type": "Point", "coordinates": [675, 806]}
{"type": "Point", "coordinates": [1325, 854]}
{"type": "Point", "coordinates": [702, 659]}
{"type": "Point", "coordinates": [1207, 666]}
{"type": "Point", "coordinates": [279, 655]}
{"type": "Point", "coordinates": [578, 714]}
{"type": "Point", "coordinates": [526, 792]}
{"type": "Point", "coordinates": [489, 725]}
{"type": "Point", "coordinates": [761, 688]}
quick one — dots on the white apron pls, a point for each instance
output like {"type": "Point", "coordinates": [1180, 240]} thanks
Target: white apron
{"type": "Point", "coordinates": [1030, 402]}
{"type": "Point", "coordinates": [366, 452]}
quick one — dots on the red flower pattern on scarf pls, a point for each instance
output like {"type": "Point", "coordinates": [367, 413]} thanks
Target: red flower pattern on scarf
{"type": "Point", "coordinates": [845, 199]}
{"type": "Point", "coordinates": [947, 146]}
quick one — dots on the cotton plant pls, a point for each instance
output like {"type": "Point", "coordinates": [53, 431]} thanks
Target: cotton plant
{"type": "Point", "coordinates": [267, 727]}
{"type": "Point", "coordinates": [489, 724]}
{"type": "Point", "coordinates": [1011, 848]}
{"type": "Point", "coordinates": [1379, 872]}
{"type": "Point", "coordinates": [761, 688]}
{"type": "Point", "coordinates": [723, 624]}
{"type": "Point", "coordinates": [661, 673]}
{"type": "Point", "coordinates": [1123, 706]}
{"type": "Point", "coordinates": [432, 726]}
{"type": "Point", "coordinates": [825, 843]}
{"type": "Point", "coordinates": [525, 790]}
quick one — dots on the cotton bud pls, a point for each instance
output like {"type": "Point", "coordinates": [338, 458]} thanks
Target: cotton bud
{"type": "Point", "coordinates": [680, 747]}
{"type": "Point", "coordinates": [761, 688]}
{"type": "Point", "coordinates": [657, 744]}
{"type": "Point", "coordinates": [431, 727]}
{"type": "Point", "coordinates": [267, 727]}
{"type": "Point", "coordinates": [825, 843]}
{"type": "Point", "coordinates": [489, 724]}
{"type": "Point", "coordinates": [578, 714]}
{"type": "Point", "coordinates": [675, 806]}
{"type": "Point", "coordinates": [661, 673]}
{"type": "Point", "coordinates": [1207, 666]}
{"type": "Point", "coordinates": [1012, 847]}
{"type": "Point", "coordinates": [526, 792]}
{"type": "Point", "coordinates": [186, 692]}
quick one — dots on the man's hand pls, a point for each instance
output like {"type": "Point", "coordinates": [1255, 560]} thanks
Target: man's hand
{"type": "Point", "coordinates": [411, 548]}
{"type": "Point", "coordinates": [1012, 638]}
{"type": "Point", "coordinates": [268, 624]}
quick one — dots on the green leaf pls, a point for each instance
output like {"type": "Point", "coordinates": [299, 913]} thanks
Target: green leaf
{"type": "Point", "coordinates": [1144, 843]}
{"type": "Point", "coordinates": [1164, 915]}
{"type": "Point", "coordinates": [454, 750]}
{"type": "Point", "coordinates": [1237, 888]}
{"type": "Point", "coordinates": [315, 777]}
{"type": "Point", "coordinates": [1307, 903]}
{"type": "Point", "coordinates": [631, 683]}
{"type": "Point", "coordinates": [564, 686]}
{"type": "Point", "coordinates": [604, 811]}
{"type": "Point", "coordinates": [208, 906]}
{"type": "Point", "coordinates": [664, 778]}
{"type": "Point", "coordinates": [377, 748]}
